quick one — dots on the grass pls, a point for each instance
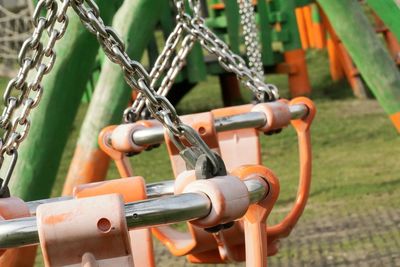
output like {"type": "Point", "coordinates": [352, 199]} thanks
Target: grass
{"type": "Point", "coordinates": [355, 147]}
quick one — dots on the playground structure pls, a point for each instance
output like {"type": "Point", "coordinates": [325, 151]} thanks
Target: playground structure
{"type": "Point", "coordinates": [227, 198]}
{"type": "Point", "coordinates": [317, 32]}
{"type": "Point", "coordinates": [15, 27]}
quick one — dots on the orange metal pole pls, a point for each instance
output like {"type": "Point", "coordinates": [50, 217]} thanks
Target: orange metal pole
{"type": "Point", "coordinates": [350, 70]}
{"type": "Point", "coordinates": [391, 40]}
{"type": "Point", "coordinates": [393, 46]}
{"type": "Point", "coordinates": [319, 31]}
{"type": "Point", "coordinates": [307, 13]}
{"type": "Point", "coordinates": [87, 166]}
{"type": "Point", "coordinates": [301, 23]}
{"type": "Point", "coordinates": [299, 82]}
{"type": "Point", "coordinates": [335, 66]}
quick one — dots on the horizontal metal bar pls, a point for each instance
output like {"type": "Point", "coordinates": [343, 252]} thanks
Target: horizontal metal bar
{"type": "Point", "coordinates": [155, 135]}
{"type": "Point", "coordinates": [146, 213]}
{"type": "Point", "coordinates": [167, 210]}
{"type": "Point", "coordinates": [32, 205]}
{"type": "Point", "coordinates": [160, 189]}
{"type": "Point", "coordinates": [154, 190]}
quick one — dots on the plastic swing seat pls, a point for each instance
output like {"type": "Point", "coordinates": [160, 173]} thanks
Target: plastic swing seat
{"type": "Point", "coordinates": [240, 149]}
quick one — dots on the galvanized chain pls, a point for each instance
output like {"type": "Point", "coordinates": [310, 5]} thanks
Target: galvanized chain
{"type": "Point", "coordinates": [251, 39]}
{"type": "Point", "coordinates": [227, 59]}
{"type": "Point", "coordinates": [251, 77]}
{"type": "Point", "coordinates": [139, 79]}
{"type": "Point", "coordinates": [164, 61]}
{"type": "Point", "coordinates": [23, 93]}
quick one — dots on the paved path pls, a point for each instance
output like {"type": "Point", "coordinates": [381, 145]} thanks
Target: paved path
{"type": "Point", "coordinates": [341, 236]}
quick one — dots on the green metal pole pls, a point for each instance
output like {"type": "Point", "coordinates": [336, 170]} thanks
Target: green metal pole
{"type": "Point", "coordinates": [40, 155]}
{"type": "Point", "coordinates": [291, 41]}
{"type": "Point", "coordinates": [233, 24]}
{"type": "Point", "coordinates": [135, 21]}
{"type": "Point", "coordinates": [389, 12]}
{"type": "Point", "coordinates": [369, 54]}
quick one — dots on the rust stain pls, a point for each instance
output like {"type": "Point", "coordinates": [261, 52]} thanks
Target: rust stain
{"type": "Point", "coordinates": [58, 218]}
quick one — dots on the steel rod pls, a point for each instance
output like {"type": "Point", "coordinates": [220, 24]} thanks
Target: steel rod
{"type": "Point", "coordinates": [146, 213]}
{"type": "Point", "coordinates": [155, 135]}
{"type": "Point", "coordinates": [160, 189]}
{"type": "Point", "coordinates": [154, 190]}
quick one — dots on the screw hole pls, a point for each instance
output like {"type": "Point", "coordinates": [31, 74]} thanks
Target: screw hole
{"type": "Point", "coordinates": [202, 130]}
{"type": "Point", "coordinates": [104, 225]}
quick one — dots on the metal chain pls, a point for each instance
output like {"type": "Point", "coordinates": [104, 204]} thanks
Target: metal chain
{"type": "Point", "coordinates": [251, 77]}
{"type": "Point", "coordinates": [251, 39]}
{"type": "Point", "coordinates": [23, 93]}
{"type": "Point", "coordinates": [163, 61]}
{"type": "Point", "coordinates": [138, 79]}
{"type": "Point", "coordinates": [230, 61]}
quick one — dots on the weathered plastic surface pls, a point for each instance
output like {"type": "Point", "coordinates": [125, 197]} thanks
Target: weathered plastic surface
{"type": "Point", "coordinates": [88, 231]}
{"type": "Point", "coordinates": [131, 189]}
{"type": "Point", "coordinates": [238, 147]}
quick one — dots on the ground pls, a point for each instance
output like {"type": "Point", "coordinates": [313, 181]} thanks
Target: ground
{"type": "Point", "coordinates": [353, 214]}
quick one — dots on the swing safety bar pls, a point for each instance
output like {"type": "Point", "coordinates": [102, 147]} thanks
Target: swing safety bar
{"type": "Point", "coordinates": [152, 212]}
{"type": "Point", "coordinates": [155, 134]}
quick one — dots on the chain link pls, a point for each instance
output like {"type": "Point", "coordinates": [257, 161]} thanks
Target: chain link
{"type": "Point", "coordinates": [251, 39]}
{"type": "Point", "coordinates": [22, 94]}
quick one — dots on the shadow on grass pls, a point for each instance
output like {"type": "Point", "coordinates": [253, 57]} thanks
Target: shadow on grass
{"type": "Point", "coordinates": [332, 91]}
{"type": "Point", "coordinates": [358, 189]}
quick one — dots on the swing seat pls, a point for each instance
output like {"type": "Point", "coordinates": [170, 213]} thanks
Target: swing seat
{"type": "Point", "coordinates": [238, 148]}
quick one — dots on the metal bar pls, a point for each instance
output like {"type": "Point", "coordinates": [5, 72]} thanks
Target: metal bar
{"type": "Point", "coordinates": [160, 189]}
{"type": "Point", "coordinates": [167, 210]}
{"type": "Point", "coordinates": [146, 213]}
{"type": "Point", "coordinates": [155, 135]}
{"type": "Point", "coordinates": [32, 205]}
{"type": "Point", "coordinates": [154, 190]}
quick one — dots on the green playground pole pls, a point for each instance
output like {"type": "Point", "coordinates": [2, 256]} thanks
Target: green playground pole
{"type": "Point", "coordinates": [291, 40]}
{"type": "Point", "coordinates": [368, 52]}
{"type": "Point", "coordinates": [135, 21]}
{"type": "Point", "coordinates": [389, 12]}
{"type": "Point", "coordinates": [40, 155]}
